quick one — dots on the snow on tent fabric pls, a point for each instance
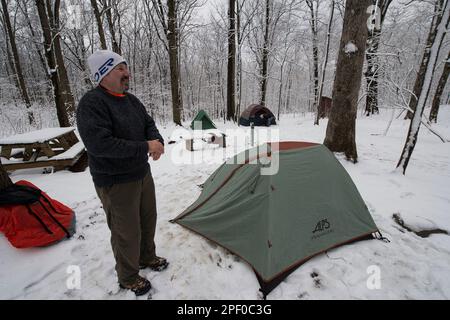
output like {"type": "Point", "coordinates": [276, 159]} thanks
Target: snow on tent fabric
{"type": "Point", "coordinates": [277, 222]}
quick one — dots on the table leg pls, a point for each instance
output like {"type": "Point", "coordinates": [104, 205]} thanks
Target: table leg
{"type": "Point", "coordinates": [28, 153]}
{"type": "Point", "coordinates": [71, 138]}
{"type": "Point", "coordinates": [47, 150]}
{"type": "Point", "coordinates": [35, 155]}
{"type": "Point", "coordinates": [64, 143]}
{"type": "Point", "coordinates": [6, 152]}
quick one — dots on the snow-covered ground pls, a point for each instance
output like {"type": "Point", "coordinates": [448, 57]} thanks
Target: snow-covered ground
{"type": "Point", "coordinates": [409, 267]}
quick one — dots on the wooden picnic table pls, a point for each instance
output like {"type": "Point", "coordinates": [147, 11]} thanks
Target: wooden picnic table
{"type": "Point", "coordinates": [50, 147]}
{"type": "Point", "coordinates": [209, 137]}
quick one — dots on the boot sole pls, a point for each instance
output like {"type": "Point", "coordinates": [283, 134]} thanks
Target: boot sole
{"type": "Point", "coordinates": [159, 268]}
{"type": "Point", "coordinates": [139, 292]}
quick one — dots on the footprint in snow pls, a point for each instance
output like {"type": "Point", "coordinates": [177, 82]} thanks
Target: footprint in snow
{"type": "Point", "coordinates": [395, 183]}
{"type": "Point", "coordinates": [406, 195]}
{"type": "Point", "coordinates": [77, 248]}
{"type": "Point", "coordinates": [317, 281]}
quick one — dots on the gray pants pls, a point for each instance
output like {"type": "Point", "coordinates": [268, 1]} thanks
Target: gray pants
{"type": "Point", "coordinates": [131, 216]}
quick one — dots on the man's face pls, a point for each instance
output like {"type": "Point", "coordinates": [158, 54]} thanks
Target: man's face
{"type": "Point", "coordinates": [118, 80]}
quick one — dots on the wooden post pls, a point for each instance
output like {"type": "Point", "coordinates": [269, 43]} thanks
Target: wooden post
{"type": "Point", "coordinates": [252, 133]}
{"type": "Point", "coordinates": [6, 152]}
{"type": "Point", "coordinates": [5, 181]}
{"type": "Point", "coordinates": [27, 153]}
{"type": "Point", "coordinates": [47, 150]}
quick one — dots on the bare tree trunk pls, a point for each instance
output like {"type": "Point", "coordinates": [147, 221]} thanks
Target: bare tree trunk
{"type": "Point", "coordinates": [425, 58]}
{"type": "Point", "coordinates": [172, 38]}
{"type": "Point", "coordinates": [114, 44]}
{"type": "Point", "coordinates": [188, 83]}
{"type": "Point", "coordinates": [10, 63]}
{"type": "Point", "coordinates": [265, 56]}
{"type": "Point", "coordinates": [239, 6]}
{"type": "Point", "coordinates": [118, 16]}
{"type": "Point", "coordinates": [66, 92]}
{"type": "Point", "coordinates": [51, 62]}
{"type": "Point", "coordinates": [65, 104]}
{"type": "Point", "coordinates": [5, 181]}
{"type": "Point", "coordinates": [98, 18]}
{"type": "Point", "coordinates": [162, 78]}
{"type": "Point", "coordinates": [324, 66]}
{"type": "Point", "coordinates": [220, 91]}
{"type": "Point", "coordinates": [23, 8]}
{"type": "Point", "coordinates": [133, 48]}
{"type": "Point", "coordinates": [280, 88]}
{"type": "Point", "coordinates": [437, 33]}
{"type": "Point", "coordinates": [315, 51]}
{"type": "Point", "coordinates": [340, 136]}
{"type": "Point", "coordinates": [231, 67]}
{"type": "Point", "coordinates": [288, 90]}
{"type": "Point", "coordinates": [63, 78]}
{"type": "Point", "coordinates": [372, 72]}
{"type": "Point", "coordinates": [373, 68]}
{"type": "Point", "coordinates": [173, 19]}
{"type": "Point", "coordinates": [82, 58]}
{"type": "Point", "coordinates": [17, 65]}
{"type": "Point", "coordinates": [440, 88]}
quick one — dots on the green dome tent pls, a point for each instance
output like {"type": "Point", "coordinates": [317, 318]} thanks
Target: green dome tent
{"type": "Point", "coordinates": [277, 222]}
{"type": "Point", "coordinates": [206, 122]}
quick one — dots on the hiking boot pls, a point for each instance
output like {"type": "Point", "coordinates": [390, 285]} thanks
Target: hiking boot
{"type": "Point", "coordinates": [140, 286]}
{"type": "Point", "coordinates": [158, 264]}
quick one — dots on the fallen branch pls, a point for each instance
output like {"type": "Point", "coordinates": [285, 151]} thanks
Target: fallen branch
{"type": "Point", "coordinates": [421, 233]}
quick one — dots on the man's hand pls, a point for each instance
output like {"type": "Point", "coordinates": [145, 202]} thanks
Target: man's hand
{"type": "Point", "coordinates": [155, 149]}
{"type": "Point", "coordinates": [155, 156]}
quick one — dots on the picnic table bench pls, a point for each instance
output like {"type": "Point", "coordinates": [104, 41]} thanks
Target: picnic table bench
{"type": "Point", "coordinates": [209, 137]}
{"type": "Point", "coordinates": [51, 147]}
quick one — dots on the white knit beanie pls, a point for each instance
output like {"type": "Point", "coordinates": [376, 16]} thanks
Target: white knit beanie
{"type": "Point", "coordinates": [101, 62]}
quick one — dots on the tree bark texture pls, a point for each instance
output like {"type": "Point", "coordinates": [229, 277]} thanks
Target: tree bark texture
{"type": "Point", "coordinates": [340, 135]}
{"type": "Point", "coordinates": [98, 19]}
{"type": "Point", "coordinates": [172, 38]}
{"type": "Point", "coordinates": [17, 65]}
{"type": "Point", "coordinates": [439, 30]}
{"type": "Point", "coordinates": [65, 104]}
{"type": "Point", "coordinates": [418, 84]}
{"type": "Point", "coordinates": [373, 70]}
{"type": "Point", "coordinates": [265, 56]}
{"type": "Point", "coordinates": [231, 67]}
{"type": "Point", "coordinates": [439, 90]}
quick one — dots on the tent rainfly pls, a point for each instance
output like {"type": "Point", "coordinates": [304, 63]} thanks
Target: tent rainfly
{"type": "Point", "coordinates": [277, 222]}
{"type": "Point", "coordinates": [204, 119]}
{"type": "Point", "coordinates": [258, 115]}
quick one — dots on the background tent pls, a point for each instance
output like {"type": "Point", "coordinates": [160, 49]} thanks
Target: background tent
{"type": "Point", "coordinates": [206, 122]}
{"type": "Point", "coordinates": [277, 222]}
{"type": "Point", "coordinates": [258, 114]}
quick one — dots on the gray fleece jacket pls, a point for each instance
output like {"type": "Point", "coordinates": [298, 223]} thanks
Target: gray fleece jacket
{"type": "Point", "coordinates": [115, 131]}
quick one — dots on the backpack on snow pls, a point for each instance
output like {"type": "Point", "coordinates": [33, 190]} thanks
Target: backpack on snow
{"type": "Point", "coordinates": [30, 218]}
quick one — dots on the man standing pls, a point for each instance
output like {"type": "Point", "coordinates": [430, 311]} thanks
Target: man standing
{"type": "Point", "coordinates": [119, 135]}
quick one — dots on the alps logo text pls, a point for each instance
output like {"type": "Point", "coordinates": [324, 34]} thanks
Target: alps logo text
{"type": "Point", "coordinates": [322, 226]}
